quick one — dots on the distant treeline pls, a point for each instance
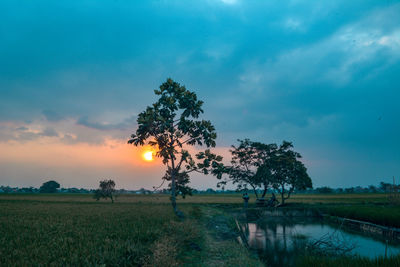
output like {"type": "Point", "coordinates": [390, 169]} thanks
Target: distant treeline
{"type": "Point", "coordinates": [8, 189]}
{"type": "Point", "coordinates": [381, 188]}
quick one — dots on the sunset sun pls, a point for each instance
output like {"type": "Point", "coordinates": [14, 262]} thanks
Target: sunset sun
{"type": "Point", "coordinates": [148, 156]}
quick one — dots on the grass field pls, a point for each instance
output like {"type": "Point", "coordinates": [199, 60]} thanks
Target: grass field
{"type": "Point", "coordinates": [206, 198]}
{"type": "Point", "coordinates": [135, 231]}
{"type": "Point", "coordinates": [75, 233]}
{"type": "Point", "coordinates": [141, 230]}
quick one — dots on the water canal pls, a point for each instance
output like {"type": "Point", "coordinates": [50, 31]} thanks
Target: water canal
{"type": "Point", "coordinates": [279, 241]}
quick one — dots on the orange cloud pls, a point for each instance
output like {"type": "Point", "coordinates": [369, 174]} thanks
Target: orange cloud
{"type": "Point", "coordinates": [49, 152]}
{"type": "Point", "coordinates": [83, 165]}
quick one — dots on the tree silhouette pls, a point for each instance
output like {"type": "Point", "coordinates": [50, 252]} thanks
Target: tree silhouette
{"type": "Point", "coordinates": [264, 166]}
{"type": "Point", "coordinates": [170, 125]}
{"type": "Point", "coordinates": [49, 187]}
{"type": "Point", "coordinates": [106, 190]}
{"type": "Point", "coordinates": [287, 172]}
{"type": "Point", "coordinates": [247, 157]}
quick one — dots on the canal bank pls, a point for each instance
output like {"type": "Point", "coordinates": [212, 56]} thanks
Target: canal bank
{"type": "Point", "coordinates": [282, 236]}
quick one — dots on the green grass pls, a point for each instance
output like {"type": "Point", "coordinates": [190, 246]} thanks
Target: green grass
{"type": "Point", "coordinates": [76, 230]}
{"type": "Point", "coordinates": [76, 233]}
{"type": "Point", "coordinates": [382, 215]}
{"type": "Point", "coordinates": [370, 198]}
{"type": "Point", "coordinates": [377, 198]}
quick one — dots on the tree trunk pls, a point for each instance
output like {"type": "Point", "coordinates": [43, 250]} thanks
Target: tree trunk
{"type": "Point", "coordinates": [255, 191]}
{"type": "Point", "coordinates": [283, 195]}
{"type": "Point", "coordinates": [173, 195]}
{"type": "Point", "coordinates": [264, 192]}
{"type": "Point", "coordinates": [173, 188]}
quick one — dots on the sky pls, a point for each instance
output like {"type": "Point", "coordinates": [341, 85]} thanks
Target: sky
{"type": "Point", "coordinates": [74, 75]}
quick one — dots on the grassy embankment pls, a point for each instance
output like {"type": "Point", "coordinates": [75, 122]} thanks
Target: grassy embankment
{"type": "Point", "coordinates": [373, 208]}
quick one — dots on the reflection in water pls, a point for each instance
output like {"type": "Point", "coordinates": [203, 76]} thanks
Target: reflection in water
{"type": "Point", "coordinates": [280, 240]}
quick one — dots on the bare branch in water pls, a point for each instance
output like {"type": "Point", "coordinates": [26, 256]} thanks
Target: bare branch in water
{"type": "Point", "coordinates": [331, 244]}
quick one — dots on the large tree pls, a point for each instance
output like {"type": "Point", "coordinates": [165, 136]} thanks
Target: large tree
{"type": "Point", "coordinates": [171, 125]}
{"type": "Point", "coordinates": [247, 157]}
{"type": "Point", "coordinates": [287, 172]}
{"type": "Point", "coordinates": [264, 166]}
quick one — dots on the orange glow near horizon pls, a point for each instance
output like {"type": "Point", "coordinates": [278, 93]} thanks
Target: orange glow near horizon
{"type": "Point", "coordinates": [148, 156]}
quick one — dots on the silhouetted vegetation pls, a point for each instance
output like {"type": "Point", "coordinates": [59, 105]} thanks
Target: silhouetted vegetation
{"type": "Point", "coordinates": [169, 125]}
{"type": "Point", "coordinates": [246, 161]}
{"type": "Point", "coordinates": [317, 190]}
{"type": "Point", "coordinates": [287, 172]}
{"type": "Point", "coordinates": [267, 166]}
{"type": "Point", "coordinates": [49, 187]}
{"type": "Point", "coordinates": [324, 190]}
{"type": "Point", "coordinates": [106, 190]}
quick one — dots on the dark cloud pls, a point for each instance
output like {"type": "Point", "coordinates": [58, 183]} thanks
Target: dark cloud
{"type": "Point", "coordinates": [22, 128]}
{"type": "Point", "coordinates": [319, 74]}
{"type": "Point", "coordinates": [49, 132]}
{"type": "Point", "coordinates": [68, 139]}
{"type": "Point", "coordinates": [52, 115]}
{"type": "Point", "coordinates": [124, 125]}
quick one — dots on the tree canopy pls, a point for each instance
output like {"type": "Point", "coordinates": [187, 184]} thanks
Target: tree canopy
{"type": "Point", "coordinates": [170, 126]}
{"type": "Point", "coordinates": [247, 158]}
{"type": "Point", "coordinates": [49, 187]}
{"type": "Point", "coordinates": [287, 172]}
{"type": "Point", "coordinates": [106, 190]}
{"type": "Point", "coordinates": [266, 166]}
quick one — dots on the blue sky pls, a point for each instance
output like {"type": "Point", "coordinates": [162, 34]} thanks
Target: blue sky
{"type": "Point", "coordinates": [325, 75]}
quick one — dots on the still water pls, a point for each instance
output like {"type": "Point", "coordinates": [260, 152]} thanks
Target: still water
{"type": "Point", "coordinates": [280, 240]}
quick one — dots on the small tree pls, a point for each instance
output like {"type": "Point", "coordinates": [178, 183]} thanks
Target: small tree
{"type": "Point", "coordinates": [385, 187]}
{"type": "Point", "coordinates": [372, 189]}
{"type": "Point", "coordinates": [287, 172]}
{"type": "Point", "coordinates": [170, 125]}
{"type": "Point", "coordinates": [49, 187]}
{"type": "Point", "coordinates": [106, 190]}
{"type": "Point", "coordinates": [324, 190]}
